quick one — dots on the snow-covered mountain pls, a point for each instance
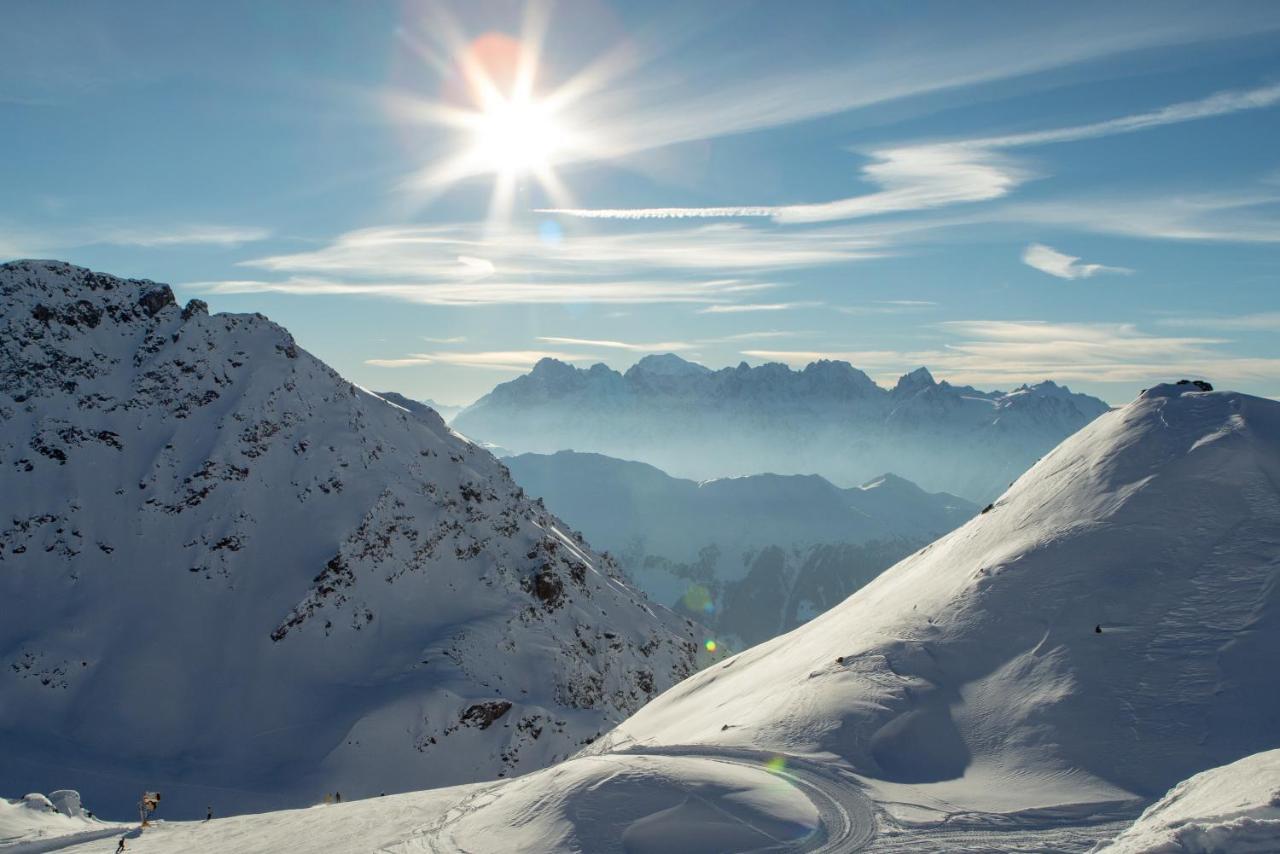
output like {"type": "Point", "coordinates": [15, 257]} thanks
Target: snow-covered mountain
{"type": "Point", "coordinates": [231, 575]}
{"type": "Point", "coordinates": [1030, 682]}
{"type": "Point", "coordinates": [828, 418]}
{"type": "Point", "coordinates": [749, 557]}
{"type": "Point", "coordinates": [1109, 628]}
{"type": "Point", "coordinates": [444, 410]}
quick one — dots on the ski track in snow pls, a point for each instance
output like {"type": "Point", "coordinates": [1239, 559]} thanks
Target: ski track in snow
{"type": "Point", "coordinates": [848, 817]}
{"type": "Point", "coordinates": [58, 843]}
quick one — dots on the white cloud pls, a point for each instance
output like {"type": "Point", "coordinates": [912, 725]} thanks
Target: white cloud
{"type": "Point", "coordinates": [456, 339]}
{"type": "Point", "coordinates": [1235, 217]}
{"type": "Point", "coordinates": [1046, 259]}
{"type": "Point", "coordinates": [22, 242]}
{"type": "Point", "coordinates": [799, 358]}
{"type": "Point", "coordinates": [931, 175]}
{"type": "Point", "coordinates": [744, 100]}
{"type": "Point", "coordinates": [182, 235]}
{"type": "Point", "coordinates": [1265, 321]}
{"type": "Point", "coordinates": [738, 308]}
{"type": "Point", "coordinates": [463, 264]}
{"type": "Point", "coordinates": [1003, 354]}
{"type": "Point", "coordinates": [497, 292]}
{"type": "Point", "coordinates": [495, 360]}
{"type": "Point", "coordinates": [661, 347]}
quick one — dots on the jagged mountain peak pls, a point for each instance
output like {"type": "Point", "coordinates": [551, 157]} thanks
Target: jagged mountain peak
{"type": "Point", "coordinates": [336, 589]}
{"type": "Point", "coordinates": [703, 424]}
{"type": "Point", "coordinates": [914, 381]}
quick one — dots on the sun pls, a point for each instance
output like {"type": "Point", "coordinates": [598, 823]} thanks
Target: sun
{"type": "Point", "coordinates": [506, 124]}
{"type": "Point", "coordinates": [516, 137]}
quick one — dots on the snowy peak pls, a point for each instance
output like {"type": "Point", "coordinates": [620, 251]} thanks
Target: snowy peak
{"type": "Point", "coordinates": [283, 547]}
{"type": "Point", "coordinates": [704, 424]}
{"type": "Point", "coordinates": [667, 365]}
{"type": "Point", "coordinates": [914, 381]}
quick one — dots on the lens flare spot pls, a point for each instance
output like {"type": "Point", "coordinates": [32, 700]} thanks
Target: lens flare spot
{"type": "Point", "coordinates": [711, 645]}
{"type": "Point", "coordinates": [775, 764]}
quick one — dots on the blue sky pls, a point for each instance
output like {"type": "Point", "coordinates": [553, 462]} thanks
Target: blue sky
{"type": "Point", "coordinates": [432, 196]}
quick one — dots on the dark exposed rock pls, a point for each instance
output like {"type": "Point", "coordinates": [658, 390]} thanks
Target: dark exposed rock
{"type": "Point", "coordinates": [482, 715]}
{"type": "Point", "coordinates": [156, 299]}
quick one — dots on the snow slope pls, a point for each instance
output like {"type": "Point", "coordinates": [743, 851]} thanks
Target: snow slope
{"type": "Point", "coordinates": [970, 678]}
{"type": "Point", "coordinates": [828, 418]}
{"type": "Point", "coordinates": [1234, 809]}
{"type": "Point", "coordinates": [963, 701]}
{"type": "Point", "coordinates": [231, 575]}
{"type": "Point", "coordinates": [748, 557]}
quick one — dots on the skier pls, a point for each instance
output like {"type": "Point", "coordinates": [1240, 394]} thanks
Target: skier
{"type": "Point", "coordinates": [337, 797]}
{"type": "Point", "coordinates": [1097, 629]}
{"type": "Point", "coordinates": [209, 814]}
{"type": "Point", "coordinates": [120, 847]}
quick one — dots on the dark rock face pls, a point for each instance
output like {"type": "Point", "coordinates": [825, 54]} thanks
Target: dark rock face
{"type": "Point", "coordinates": [156, 299]}
{"type": "Point", "coordinates": [482, 715]}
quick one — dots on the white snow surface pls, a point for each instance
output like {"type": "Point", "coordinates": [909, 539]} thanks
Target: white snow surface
{"type": "Point", "coordinates": [1232, 809]}
{"type": "Point", "coordinates": [968, 681]}
{"type": "Point", "coordinates": [232, 576]}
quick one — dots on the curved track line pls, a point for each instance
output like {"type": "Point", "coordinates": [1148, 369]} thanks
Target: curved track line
{"type": "Point", "coordinates": [847, 815]}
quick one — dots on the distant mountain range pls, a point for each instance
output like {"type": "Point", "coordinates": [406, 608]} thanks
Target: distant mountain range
{"type": "Point", "coordinates": [749, 557]}
{"type": "Point", "coordinates": [829, 419]}
{"type": "Point", "coordinates": [230, 574]}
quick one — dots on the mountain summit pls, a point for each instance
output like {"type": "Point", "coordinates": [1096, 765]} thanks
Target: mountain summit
{"type": "Point", "coordinates": [233, 575]}
{"type": "Point", "coordinates": [829, 418]}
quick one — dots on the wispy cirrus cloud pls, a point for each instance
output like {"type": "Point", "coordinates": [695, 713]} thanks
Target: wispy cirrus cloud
{"type": "Point", "coordinates": [745, 307]}
{"type": "Point", "coordinates": [1263, 321]}
{"type": "Point", "coordinates": [1248, 216]}
{"type": "Point", "coordinates": [659, 347]}
{"type": "Point", "coordinates": [28, 242]}
{"type": "Point", "coordinates": [497, 292]}
{"type": "Point", "coordinates": [925, 176]}
{"type": "Point", "coordinates": [463, 264]}
{"type": "Point", "coordinates": [1004, 353]}
{"type": "Point", "coordinates": [743, 101]}
{"type": "Point", "coordinates": [1046, 259]}
{"type": "Point", "coordinates": [493, 360]}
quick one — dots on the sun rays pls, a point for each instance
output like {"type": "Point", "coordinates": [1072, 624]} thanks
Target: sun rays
{"type": "Point", "coordinates": [507, 125]}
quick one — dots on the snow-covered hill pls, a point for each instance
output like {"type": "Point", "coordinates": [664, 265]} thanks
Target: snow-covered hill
{"type": "Point", "coordinates": [231, 575]}
{"type": "Point", "coordinates": [829, 418]}
{"type": "Point", "coordinates": [1234, 809]}
{"type": "Point", "coordinates": [748, 557]}
{"type": "Point", "coordinates": [973, 672]}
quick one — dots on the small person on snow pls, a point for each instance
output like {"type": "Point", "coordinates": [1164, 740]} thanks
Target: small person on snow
{"type": "Point", "coordinates": [337, 797]}
{"type": "Point", "coordinates": [209, 814]}
{"type": "Point", "coordinates": [120, 847]}
{"type": "Point", "coordinates": [1098, 629]}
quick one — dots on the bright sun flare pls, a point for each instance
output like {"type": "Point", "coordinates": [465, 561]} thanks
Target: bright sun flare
{"type": "Point", "coordinates": [516, 137]}
{"type": "Point", "coordinates": [507, 129]}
